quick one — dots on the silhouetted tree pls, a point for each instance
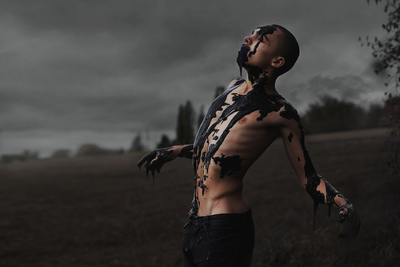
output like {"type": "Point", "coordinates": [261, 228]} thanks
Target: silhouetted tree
{"type": "Point", "coordinates": [388, 50]}
{"type": "Point", "coordinates": [184, 128]}
{"type": "Point", "coordinates": [200, 118]}
{"type": "Point", "coordinates": [24, 156]}
{"type": "Point", "coordinates": [332, 115]}
{"type": "Point", "coordinates": [375, 117]}
{"type": "Point", "coordinates": [165, 142]}
{"type": "Point", "coordinates": [88, 150]}
{"type": "Point", "coordinates": [392, 115]}
{"type": "Point", "coordinates": [137, 144]}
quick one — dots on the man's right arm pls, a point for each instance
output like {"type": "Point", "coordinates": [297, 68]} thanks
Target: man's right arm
{"type": "Point", "coordinates": [157, 158]}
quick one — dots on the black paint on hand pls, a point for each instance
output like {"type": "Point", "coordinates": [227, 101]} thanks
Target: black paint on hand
{"type": "Point", "coordinates": [155, 160]}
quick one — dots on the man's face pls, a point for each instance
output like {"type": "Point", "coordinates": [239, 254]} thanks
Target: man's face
{"type": "Point", "coordinates": [262, 44]}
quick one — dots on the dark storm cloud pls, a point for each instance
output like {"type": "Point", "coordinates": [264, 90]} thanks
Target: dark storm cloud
{"type": "Point", "coordinates": [349, 87]}
{"type": "Point", "coordinates": [130, 64]}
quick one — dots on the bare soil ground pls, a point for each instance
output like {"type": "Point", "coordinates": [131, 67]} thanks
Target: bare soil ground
{"type": "Point", "coordinates": [102, 211]}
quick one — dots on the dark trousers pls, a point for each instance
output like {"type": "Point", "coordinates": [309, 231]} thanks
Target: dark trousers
{"type": "Point", "coordinates": [219, 240]}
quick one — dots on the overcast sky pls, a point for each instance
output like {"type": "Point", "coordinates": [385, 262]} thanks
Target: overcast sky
{"type": "Point", "coordinates": [75, 72]}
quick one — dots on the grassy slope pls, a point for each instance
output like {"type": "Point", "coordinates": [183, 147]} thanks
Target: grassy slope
{"type": "Point", "coordinates": [103, 212]}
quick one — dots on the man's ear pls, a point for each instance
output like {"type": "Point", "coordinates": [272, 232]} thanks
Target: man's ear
{"type": "Point", "coordinates": [278, 62]}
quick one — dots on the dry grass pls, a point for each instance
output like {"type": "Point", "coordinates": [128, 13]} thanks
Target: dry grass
{"type": "Point", "coordinates": [103, 212]}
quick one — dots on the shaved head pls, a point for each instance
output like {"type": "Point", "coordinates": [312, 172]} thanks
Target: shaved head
{"type": "Point", "coordinates": [288, 48]}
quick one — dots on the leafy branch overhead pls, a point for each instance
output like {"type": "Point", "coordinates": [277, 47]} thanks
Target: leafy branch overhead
{"type": "Point", "coordinates": [387, 49]}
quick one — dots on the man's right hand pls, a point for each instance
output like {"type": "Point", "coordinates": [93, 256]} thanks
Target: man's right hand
{"type": "Point", "coordinates": [156, 159]}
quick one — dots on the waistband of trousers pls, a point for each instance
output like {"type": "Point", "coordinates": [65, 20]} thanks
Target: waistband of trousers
{"type": "Point", "coordinates": [226, 218]}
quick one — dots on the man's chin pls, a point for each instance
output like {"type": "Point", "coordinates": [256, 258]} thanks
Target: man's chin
{"type": "Point", "coordinates": [242, 57]}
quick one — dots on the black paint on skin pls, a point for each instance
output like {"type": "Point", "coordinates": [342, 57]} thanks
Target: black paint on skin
{"type": "Point", "coordinates": [161, 156]}
{"type": "Point", "coordinates": [242, 57]}
{"type": "Point", "coordinates": [186, 152]}
{"type": "Point", "coordinates": [258, 77]}
{"type": "Point", "coordinates": [228, 164]}
{"type": "Point", "coordinates": [290, 137]}
{"type": "Point", "coordinates": [313, 179]}
{"type": "Point", "coordinates": [263, 31]}
{"type": "Point", "coordinates": [157, 158]}
{"type": "Point", "coordinates": [255, 100]}
{"type": "Point", "coordinates": [203, 187]}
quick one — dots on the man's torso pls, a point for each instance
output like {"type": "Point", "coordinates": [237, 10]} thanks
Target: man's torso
{"type": "Point", "coordinates": [237, 129]}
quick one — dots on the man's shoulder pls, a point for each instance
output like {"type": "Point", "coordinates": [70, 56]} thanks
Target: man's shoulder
{"type": "Point", "coordinates": [288, 112]}
{"type": "Point", "coordinates": [235, 83]}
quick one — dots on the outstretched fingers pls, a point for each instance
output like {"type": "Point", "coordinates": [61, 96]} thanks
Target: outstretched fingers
{"type": "Point", "coordinates": [147, 158]}
{"type": "Point", "coordinates": [155, 160]}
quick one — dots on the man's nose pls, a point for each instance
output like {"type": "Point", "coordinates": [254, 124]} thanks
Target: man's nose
{"type": "Point", "coordinates": [247, 40]}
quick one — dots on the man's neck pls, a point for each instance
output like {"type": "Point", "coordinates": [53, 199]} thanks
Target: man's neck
{"type": "Point", "coordinates": [266, 83]}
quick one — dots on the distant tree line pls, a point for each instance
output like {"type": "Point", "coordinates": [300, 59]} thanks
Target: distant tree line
{"type": "Point", "coordinates": [332, 115]}
{"type": "Point", "coordinates": [327, 115]}
{"type": "Point", "coordinates": [24, 156]}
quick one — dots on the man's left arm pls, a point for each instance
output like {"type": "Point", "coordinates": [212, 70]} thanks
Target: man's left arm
{"type": "Point", "coordinates": [319, 189]}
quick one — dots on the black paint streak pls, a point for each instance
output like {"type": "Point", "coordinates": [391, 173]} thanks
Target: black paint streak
{"type": "Point", "coordinates": [186, 152]}
{"type": "Point", "coordinates": [290, 137]}
{"type": "Point", "coordinates": [255, 100]}
{"type": "Point", "coordinates": [228, 164]}
{"type": "Point", "coordinates": [263, 31]}
{"type": "Point", "coordinates": [313, 179]}
{"type": "Point", "coordinates": [203, 187]}
{"type": "Point", "coordinates": [155, 160]}
{"type": "Point", "coordinates": [242, 57]}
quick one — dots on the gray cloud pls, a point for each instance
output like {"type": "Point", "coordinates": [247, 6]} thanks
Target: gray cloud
{"type": "Point", "coordinates": [109, 65]}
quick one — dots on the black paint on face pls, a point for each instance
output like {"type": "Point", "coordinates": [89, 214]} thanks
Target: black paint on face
{"type": "Point", "coordinates": [244, 53]}
{"type": "Point", "coordinates": [228, 164]}
{"type": "Point", "coordinates": [242, 57]}
{"type": "Point", "coordinates": [263, 31]}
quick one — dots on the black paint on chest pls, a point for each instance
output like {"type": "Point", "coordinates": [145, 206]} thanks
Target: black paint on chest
{"type": "Point", "coordinates": [228, 164]}
{"type": "Point", "coordinates": [254, 100]}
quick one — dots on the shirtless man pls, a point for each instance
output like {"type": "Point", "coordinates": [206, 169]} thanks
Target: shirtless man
{"type": "Point", "coordinates": [239, 126]}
